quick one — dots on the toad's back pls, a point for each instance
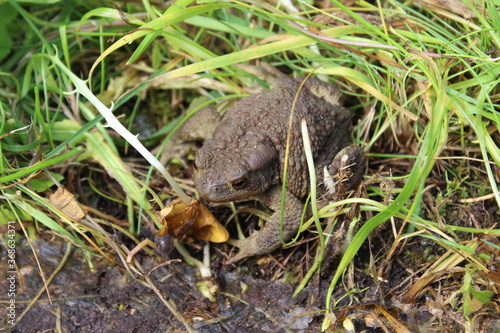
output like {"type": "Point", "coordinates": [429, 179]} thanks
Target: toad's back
{"type": "Point", "coordinates": [263, 119]}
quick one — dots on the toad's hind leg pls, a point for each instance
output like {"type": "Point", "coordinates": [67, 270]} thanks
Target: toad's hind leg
{"type": "Point", "coordinates": [268, 238]}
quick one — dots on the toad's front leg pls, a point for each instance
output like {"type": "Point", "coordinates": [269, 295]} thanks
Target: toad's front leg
{"type": "Point", "coordinates": [268, 239]}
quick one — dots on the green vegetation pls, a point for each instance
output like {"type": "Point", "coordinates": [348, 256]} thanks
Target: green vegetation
{"type": "Point", "coordinates": [423, 81]}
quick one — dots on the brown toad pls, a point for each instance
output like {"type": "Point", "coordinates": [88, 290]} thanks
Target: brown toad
{"type": "Point", "coordinates": [244, 159]}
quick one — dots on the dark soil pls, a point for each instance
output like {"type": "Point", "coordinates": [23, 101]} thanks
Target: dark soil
{"type": "Point", "coordinates": [251, 298]}
{"type": "Point", "coordinates": [109, 300]}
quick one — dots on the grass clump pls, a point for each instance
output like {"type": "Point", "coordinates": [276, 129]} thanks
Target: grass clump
{"type": "Point", "coordinates": [422, 81]}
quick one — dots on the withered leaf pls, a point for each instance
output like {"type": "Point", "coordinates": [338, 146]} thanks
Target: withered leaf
{"type": "Point", "coordinates": [455, 6]}
{"type": "Point", "coordinates": [66, 202]}
{"type": "Point", "coordinates": [178, 218]}
{"type": "Point", "coordinates": [489, 245]}
{"type": "Point", "coordinates": [189, 222]}
{"type": "Point", "coordinates": [493, 276]}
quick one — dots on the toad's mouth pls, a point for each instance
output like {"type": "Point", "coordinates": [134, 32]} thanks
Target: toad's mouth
{"type": "Point", "coordinates": [210, 190]}
{"type": "Point", "coordinates": [220, 192]}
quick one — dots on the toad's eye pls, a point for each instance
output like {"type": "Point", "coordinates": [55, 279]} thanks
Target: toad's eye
{"type": "Point", "coordinates": [239, 183]}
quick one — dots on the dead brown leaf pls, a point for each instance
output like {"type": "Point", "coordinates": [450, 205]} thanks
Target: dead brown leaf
{"type": "Point", "coordinates": [66, 202]}
{"type": "Point", "coordinates": [454, 6]}
{"type": "Point", "coordinates": [189, 222]}
{"type": "Point", "coordinates": [490, 246]}
{"type": "Point", "coordinates": [418, 287]}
